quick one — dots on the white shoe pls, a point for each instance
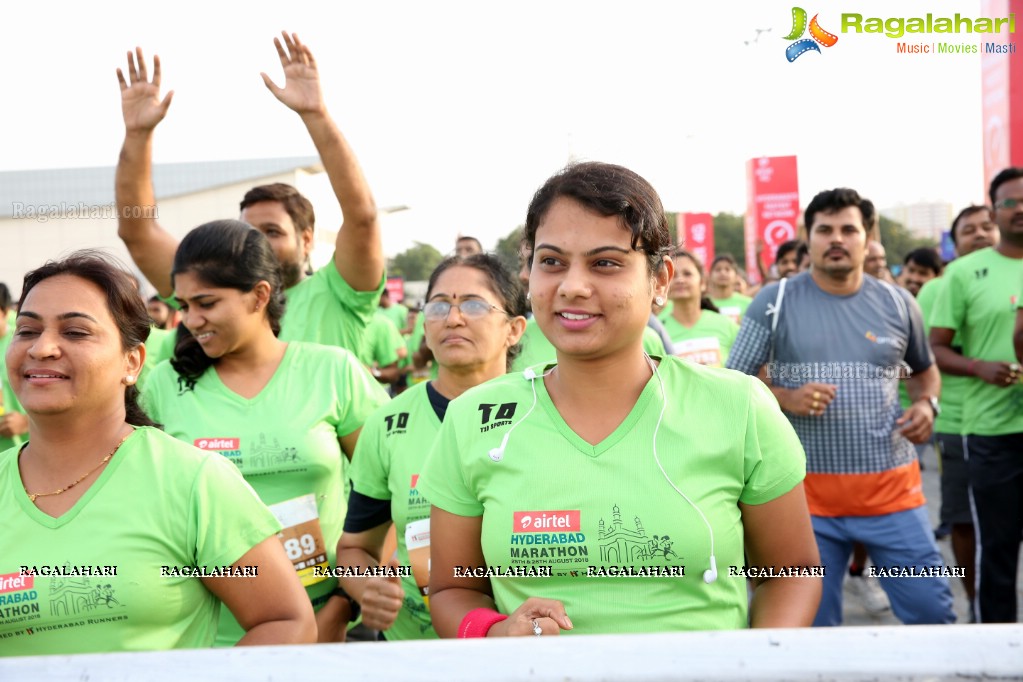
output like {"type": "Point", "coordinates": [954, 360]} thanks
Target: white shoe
{"type": "Point", "coordinates": [868, 593]}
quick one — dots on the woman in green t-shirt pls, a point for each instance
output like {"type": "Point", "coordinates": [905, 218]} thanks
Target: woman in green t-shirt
{"type": "Point", "coordinates": [698, 332]}
{"type": "Point", "coordinates": [286, 414]}
{"type": "Point", "coordinates": [475, 315]}
{"type": "Point", "coordinates": [116, 536]}
{"type": "Point", "coordinates": [613, 493]}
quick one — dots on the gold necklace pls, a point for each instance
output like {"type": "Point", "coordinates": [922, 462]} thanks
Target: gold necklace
{"type": "Point", "coordinates": [32, 496]}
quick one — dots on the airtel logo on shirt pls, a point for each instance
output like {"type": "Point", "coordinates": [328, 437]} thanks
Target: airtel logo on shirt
{"type": "Point", "coordinates": [539, 521]}
{"type": "Point", "coordinates": [15, 582]}
{"type": "Point", "coordinates": [217, 443]}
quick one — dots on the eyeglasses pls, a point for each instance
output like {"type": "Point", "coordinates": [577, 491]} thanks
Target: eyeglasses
{"type": "Point", "coordinates": [1009, 204]}
{"type": "Point", "coordinates": [472, 309]}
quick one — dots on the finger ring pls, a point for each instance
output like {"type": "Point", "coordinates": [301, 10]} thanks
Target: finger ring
{"type": "Point", "coordinates": [816, 395]}
{"type": "Point", "coordinates": [816, 404]}
{"type": "Point", "coordinates": [537, 630]}
{"type": "Point", "coordinates": [1014, 368]}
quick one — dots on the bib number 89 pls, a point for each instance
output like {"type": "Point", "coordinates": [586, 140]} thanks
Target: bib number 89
{"type": "Point", "coordinates": [300, 546]}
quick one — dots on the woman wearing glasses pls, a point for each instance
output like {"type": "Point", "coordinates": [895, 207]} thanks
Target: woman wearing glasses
{"type": "Point", "coordinates": [613, 493]}
{"type": "Point", "coordinates": [475, 316]}
{"type": "Point", "coordinates": [287, 415]}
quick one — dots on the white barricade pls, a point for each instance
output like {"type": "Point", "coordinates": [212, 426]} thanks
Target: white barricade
{"type": "Point", "coordinates": [939, 652]}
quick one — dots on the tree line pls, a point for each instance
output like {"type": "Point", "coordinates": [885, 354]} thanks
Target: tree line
{"type": "Point", "coordinates": [418, 261]}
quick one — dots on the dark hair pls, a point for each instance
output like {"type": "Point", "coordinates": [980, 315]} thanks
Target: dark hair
{"type": "Point", "coordinates": [123, 301]}
{"type": "Point", "coordinates": [1003, 177]}
{"type": "Point", "coordinates": [925, 257]}
{"type": "Point", "coordinates": [786, 247]}
{"type": "Point", "coordinates": [297, 206]}
{"type": "Point", "coordinates": [470, 239]}
{"type": "Point", "coordinates": [227, 254]}
{"type": "Point", "coordinates": [5, 298]}
{"type": "Point", "coordinates": [608, 190]}
{"type": "Point", "coordinates": [727, 258]}
{"type": "Point", "coordinates": [832, 200]}
{"type": "Point", "coordinates": [968, 211]}
{"type": "Point", "coordinates": [705, 302]}
{"type": "Point", "coordinates": [502, 283]}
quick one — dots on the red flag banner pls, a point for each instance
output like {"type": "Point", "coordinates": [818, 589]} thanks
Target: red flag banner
{"type": "Point", "coordinates": [1001, 97]}
{"type": "Point", "coordinates": [696, 232]}
{"type": "Point", "coordinates": [396, 288]}
{"type": "Point", "coordinates": [772, 208]}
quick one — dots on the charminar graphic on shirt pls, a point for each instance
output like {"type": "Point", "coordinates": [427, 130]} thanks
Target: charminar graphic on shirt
{"type": "Point", "coordinates": [392, 448]}
{"type": "Point", "coordinates": [96, 576]}
{"type": "Point", "coordinates": [626, 552]}
{"type": "Point", "coordinates": [285, 443]}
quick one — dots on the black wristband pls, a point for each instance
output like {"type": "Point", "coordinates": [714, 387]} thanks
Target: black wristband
{"type": "Point", "coordinates": [354, 607]}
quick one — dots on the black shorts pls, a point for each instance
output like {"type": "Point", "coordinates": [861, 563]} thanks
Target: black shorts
{"type": "Point", "coordinates": [955, 480]}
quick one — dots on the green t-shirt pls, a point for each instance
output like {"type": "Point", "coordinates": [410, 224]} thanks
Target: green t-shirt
{"type": "Point", "coordinates": [392, 448]}
{"type": "Point", "coordinates": [953, 387]}
{"type": "Point", "coordinates": [666, 311]}
{"type": "Point", "coordinates": [708, 342]}
{"type": "Point", "coordinates": [8, 401]}
{"type": "Point", "coordinates": [554, 500]}
{"type": "Point", "coordinates": [397, 313]}
{"type": "Point", "coordinates": [733, 307]}
{"type": "Point", "coordinates": [382, 342]}
{"type": "Point", "coordinates": [159, 347]}
{"type": "Point", "coordinates": [536, 349]}
{"type": "Point", "coordinates": [324, 309]}
{"type": "Point", "coordinates": [157, 503]}
{"type": "Point", "coordinates": [979, 301]}
{"type": "Point", "coordinates": [285, 443]}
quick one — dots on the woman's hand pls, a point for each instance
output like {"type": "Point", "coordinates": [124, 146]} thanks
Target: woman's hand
{"type": "Point", "coordinates": [548, 614]}
{"type": "Point", "coordinates": [381, 601]}
{"type": "Point", "coordinates": [332, 621]}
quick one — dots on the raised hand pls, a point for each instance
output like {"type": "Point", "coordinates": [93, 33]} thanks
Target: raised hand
{"type": "Point", "coordinates": [140, 97]}
{"type": "Point", "coordinates": [301, 91]}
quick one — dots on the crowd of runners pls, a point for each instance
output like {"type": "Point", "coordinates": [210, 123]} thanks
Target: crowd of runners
{"type": "Point", "coordinates": [617, 438]}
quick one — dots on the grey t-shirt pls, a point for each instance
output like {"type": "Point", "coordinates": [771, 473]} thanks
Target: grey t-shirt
{"type": "Point", "coordinates": [861, 343]}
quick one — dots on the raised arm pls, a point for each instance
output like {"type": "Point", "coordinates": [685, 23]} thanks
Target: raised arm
{"type": "Point", "coordinates": [151, 247]}
{"type": "Point", "coordinates": [358, 251]}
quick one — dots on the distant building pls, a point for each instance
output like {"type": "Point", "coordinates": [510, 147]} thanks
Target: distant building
{"type": "Point", "coordinates": [48, 213]}
{"type": "Point", "coordinates": [923, 220]}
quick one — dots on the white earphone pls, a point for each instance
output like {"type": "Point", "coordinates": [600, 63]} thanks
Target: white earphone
{"type": "Point", "coordinates": [711, 574]}
{"type": "Point", "coordinates": [497, 454]}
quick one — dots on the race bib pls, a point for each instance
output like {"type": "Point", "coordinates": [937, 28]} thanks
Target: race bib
{"type": "Point", "coordinates": [417, 542]}
{"type": "Point", "coordinates": [705, 351]}
{"type": "Point", "coordinates": [732, 312]}
{"type": "Point", "coordinates": [302, 537]}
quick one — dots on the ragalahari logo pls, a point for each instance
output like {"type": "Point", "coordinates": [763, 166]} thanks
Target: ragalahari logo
{"type": "Point", "coordinates": [818, 35]}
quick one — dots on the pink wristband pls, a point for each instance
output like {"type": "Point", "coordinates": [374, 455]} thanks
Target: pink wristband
{"type": "Point", "coordinates": [970, 368]}
{"type": "Point", "coordinates": [478, 622]}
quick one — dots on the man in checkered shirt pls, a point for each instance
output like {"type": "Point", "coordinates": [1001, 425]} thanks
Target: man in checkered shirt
{"type": "Point", "coordinates": [834, 344]}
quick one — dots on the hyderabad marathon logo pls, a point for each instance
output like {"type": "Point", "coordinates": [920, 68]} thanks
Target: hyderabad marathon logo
{"type": "Point", "coordinates": [817, 35]}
